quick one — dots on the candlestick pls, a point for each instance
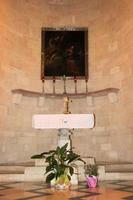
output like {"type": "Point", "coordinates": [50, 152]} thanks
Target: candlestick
{"type": "Point", "coordinates": [86, 81]}
{"type": "Point", "coordinates": [64, 79]}
{"type": "Point", "coordinates": [43, 88]}
{"type": "Point", "coordinates": [66, 105]}
{"type": "Point", "coordinates": [53, 84]}
{"type": "Point", "coordinates": [75, 83]}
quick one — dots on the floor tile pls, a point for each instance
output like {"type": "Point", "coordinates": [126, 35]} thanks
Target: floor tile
{"type": "Point", "coordinates": [106, 190]}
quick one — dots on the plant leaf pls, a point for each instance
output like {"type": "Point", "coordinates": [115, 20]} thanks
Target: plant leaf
{"type": "Point", "coordinates": [63, 149]}
{"type": "Point", "coordinates": [49, 168]}
{"type": "Point", "coordinates": [69, 177]}
{"type": "Point", "coordinates": [48, 159]}
{"type": "Point", "coordinates": [50, 177]}
{"type": "Point", "coordinates": [71, 170]}
{"type": "Point", "coordinates": [38, 156]}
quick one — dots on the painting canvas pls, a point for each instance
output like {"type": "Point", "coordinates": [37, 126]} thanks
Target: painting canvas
{"type": "Point", "coordinates": [64, 52]}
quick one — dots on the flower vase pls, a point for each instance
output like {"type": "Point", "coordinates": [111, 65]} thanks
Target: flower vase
{"type": "Point", "coordinates": [61, 183]}
{"type": "Point", "coordinates": [92, 181]}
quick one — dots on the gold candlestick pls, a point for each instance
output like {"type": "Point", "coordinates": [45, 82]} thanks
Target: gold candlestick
{"type": "Point", "coordinates": [66, 105]}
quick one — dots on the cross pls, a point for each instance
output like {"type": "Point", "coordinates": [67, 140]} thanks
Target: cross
{"type": "Point", "coordinates": [66, 105]}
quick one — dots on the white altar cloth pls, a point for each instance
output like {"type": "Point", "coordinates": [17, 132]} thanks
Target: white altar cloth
{"type": "Point", "coordinates": [57, 121]}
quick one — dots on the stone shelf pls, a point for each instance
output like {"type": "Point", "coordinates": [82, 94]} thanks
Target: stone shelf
{"type": "Point", "coordinates": [111, 93]}
{"type": "Point", "coordinates": [97, 93]}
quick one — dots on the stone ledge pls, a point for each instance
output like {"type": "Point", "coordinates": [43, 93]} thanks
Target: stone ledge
{"type": "Point", "coordinates": [88, 160]}
{"type": "Point", "coordinates": [97, 93]}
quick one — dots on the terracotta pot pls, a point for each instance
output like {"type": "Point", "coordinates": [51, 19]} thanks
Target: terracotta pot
{"type": "Point", "coordinates": [92, 181]}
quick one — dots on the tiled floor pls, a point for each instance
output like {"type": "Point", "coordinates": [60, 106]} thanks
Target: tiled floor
{"type": "Point", "coordinates": [107, 190]}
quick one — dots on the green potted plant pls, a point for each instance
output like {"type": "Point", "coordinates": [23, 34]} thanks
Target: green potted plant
{"type": "Point", "coordinates": [91, 172]}
{"type": "Point", "coordinates": [60, 166]}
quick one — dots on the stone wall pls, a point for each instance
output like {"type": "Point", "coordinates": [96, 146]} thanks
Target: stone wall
{"type": "Point", "coordinates": [110, 25]}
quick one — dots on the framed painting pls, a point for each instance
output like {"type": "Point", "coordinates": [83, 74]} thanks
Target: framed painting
{"type": "Point", "coordinates": [64, 52]}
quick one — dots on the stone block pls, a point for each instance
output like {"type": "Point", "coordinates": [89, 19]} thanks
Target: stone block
{"type": "Point", "coordinates": [17, 98]}
{"type": "Point", "coordinates": [106, 147]}
{"type": "Point", "coordinates": [11, 177]}
{"type": "Point", "coordinates": [34, 173]}
{"type": "Point", "coordinates": [115, 70]}
{"type": "Point", "coordinates": [40, 162]}
{"type": "Point", "coordinates": [112, 176]}
{"type": "Point", "coordinates": [101, 173]}
{"type": "Point", "coordinates": [99, 130]}
{"type": "Point", "coordinates": [113, 155]}
{"type": "Point", "coordinates": [41, 101]}
{"type": "Point", "coordinates": [113, 46]}
{"type": "Point", "coordinates": [112, 97]}
{"type": "Point", "coordinates": [90, 101]}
